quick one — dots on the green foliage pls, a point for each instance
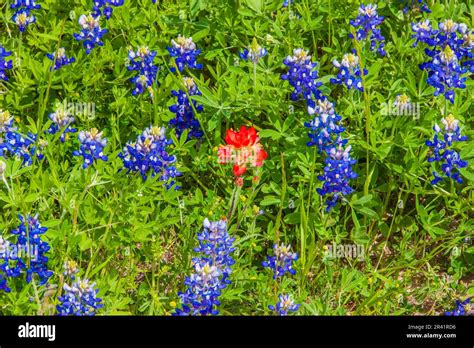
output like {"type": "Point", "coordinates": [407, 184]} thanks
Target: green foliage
{"type": "Point", "coordinates": [136, 239]}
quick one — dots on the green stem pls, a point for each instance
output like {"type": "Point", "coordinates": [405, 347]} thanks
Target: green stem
{"type": "Point", "coordinates": [255, 78]}
{"type": "Point", "coordinates": [367, 114]}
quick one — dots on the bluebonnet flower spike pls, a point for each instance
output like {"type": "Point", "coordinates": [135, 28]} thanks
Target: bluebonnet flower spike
{"type": "Point", "coordinates": [59, 58]}
{"type": "Point", "coordinates": [4, 63]}
{"type": "Point", "coordinates": [302, 76]}
{"type": "Point", "coordinates": [91, 147]}
{"type": "Point", "coordinates": [281, 262]}
{"type": "Point", "coordinates": [443, 152]}
{"type": "Point", "coordinates": [211, 271]}
{"type": "Point", "coordinates": [91, 33]}
{"type": "Point", "coordinates": [284, 305]}
{"type": "Point", "coordinates": [367, 26]}
{"type": "Point", "coordinates": [148, 155]}
{"type": "Point", "coordinates": [79, 299]}
{"type": "Point", "coordinates": [185, 52]}
{"type": "Point", "coordinates": [185, 117]}
{"type": "Point", "coordinates": [253, 53]}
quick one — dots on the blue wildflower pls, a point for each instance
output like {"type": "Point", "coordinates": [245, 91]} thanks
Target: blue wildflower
{"type": "Point", "coordinates": [402, 105]}
{"type": "Point", "coordinates": [462, 308]}
{"type": "Point", "coordinates": [30, 252]}
{"type": "Point", "coordinates": [185, 118]}
{"type": "Point", "coordinates": [3, 284]}
{"type": "Point", "coordinates": [29, 4]}
{"type": "Point", "coordinates": [105, 7]}
{"type": "Point", "coordinates": [80, 299]}
{"type": "Point", "coordinates": [253, 53]}
{"type": "Point", "coordinates": [91, 32]}
{"type": "Point", "coordinates": [149, 153]}
{"type": "Point", "coordinates": [423, 32]}
{"type": "Point", "coordinates": [324, 126]}
{"type": "Point", "coordinates": [61, 121]}
{"type": "Point", "coordinates": [185, 52]}
{"type": "Point", "coordinates": [211, 271]}
{"type": "Point", "coordinates": [349, 73]}
{"type": "Point", "coordinates": [451, 56]}
{"type": "Point", "coordinates": [22, 18]}
{"type": "Point", "coordinates": [282, 260]}
{"type": "Point", "coordinates": [337, 173]}
{"type": "Point", "coordinates": [366, 24]}
{"type": "Point", "coordinates": [91, 147]}
{"type": "Point", "coordinates": [444, 74]}
{"type": "Point", "coordinates": [59, 58]}
{"type": "Point", "coordinates": [4, 249]}
{"type": "Point", "coordinates": [142, 62]}
{"type": "Point", "coordinates": [302, 76]}
{"type": "Point", "coordinates": [284, 305]}
{"type": "Point", "coordinates": [15, 144]}
{"type": "Point", "coordinates": [70, 269]}
{"type": "Point", "coordinates": [286, 3]}
{"type": "Point", "coordinates": [142, 82]}
{"type": "Point", "coordinates": [416, 6]}
{"type": "Point", "coordinates": [4, 64]}
{"type": "Point", "coordinates": [6, 122]}
{"type": "Point", "coordinates": [443, 152]}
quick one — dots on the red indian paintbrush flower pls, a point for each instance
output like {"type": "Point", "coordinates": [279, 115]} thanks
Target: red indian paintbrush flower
{"type": "Point", "coordinates": [243, 150]}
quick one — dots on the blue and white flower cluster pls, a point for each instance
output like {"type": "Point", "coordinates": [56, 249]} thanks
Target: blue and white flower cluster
{"type": "Point", "coordinates": [326, 132]}
{"type": "Point", "coordinates": [91, 33]}
{"type": "Point", "coordinates": [367, 25]}
{"type": "Point", "coordinates": [185, 118]}
{"type": "Point", "coordinates": [302, 76]}
{"type": "Point", "coordinates": [27, 255]}
{"type": "Point", "coordinates": [23, 16]}
{"type": "Point", "coordinates": [70, 269]}
{"type": "Point", "coordinates": [149, 153]}
{"type": "Point", "coordinates": [4, 63]}
{"type": "Point", "coordinates": [443, 152]}
{"type": "Point", "coordinates": [59, 58]}
{"type": "Point", "coordinates": [6, 122]}
{"type": "Point", "coordinates": [141, 61]}
{"type": "Point", "coordinates": [211, 271]}
{"type": "Point", "coordinates": [15, 144]}
{"type": "Point", "coordinates": [281, 262]}
{"type": "Point", "coordinates": [337, 173]}
{"type": "Point", "coordinates": [91, 147]}
{"type": "Point", "coordinates": [253, 53]}
{"type": "Point", "coordinates": [105, 7]}
{"type": "Point", "coordinates": [5, 246]}
{"type": "Point", "coordinates": [185, 52]}
{"type": "Point", "coordinates": [349, 72]}
{"type": "Point", "coordinates": [61, 122]}
{"type": "Point", "coordinates": [79, 299]}
{"type": "Point", "coordinates": [422, 32]}
{"type": "Point", "coordinates": [324, 126]}
{"type": "Point", "coordinates": [462, 308]}
{"type": "Point", "coordinates": [416, 6]}
{"type": "Point", "coordinates": [450, 53]}
{"type": "Point", "coordinates": [284, 305]}
{"type": "Point", "coordinates": [3, 284]}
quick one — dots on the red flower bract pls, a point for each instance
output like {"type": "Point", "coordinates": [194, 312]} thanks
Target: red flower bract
{"type": "Point", "coordinates": [243, 150]}
{"type": "Point", "coordinates": [239, 170]}
{"type": "Point", "coordinates": [244, 137]}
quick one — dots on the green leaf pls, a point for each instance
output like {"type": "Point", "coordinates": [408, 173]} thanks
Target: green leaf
{"type": "Point", "coordinates": [270, 200]}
